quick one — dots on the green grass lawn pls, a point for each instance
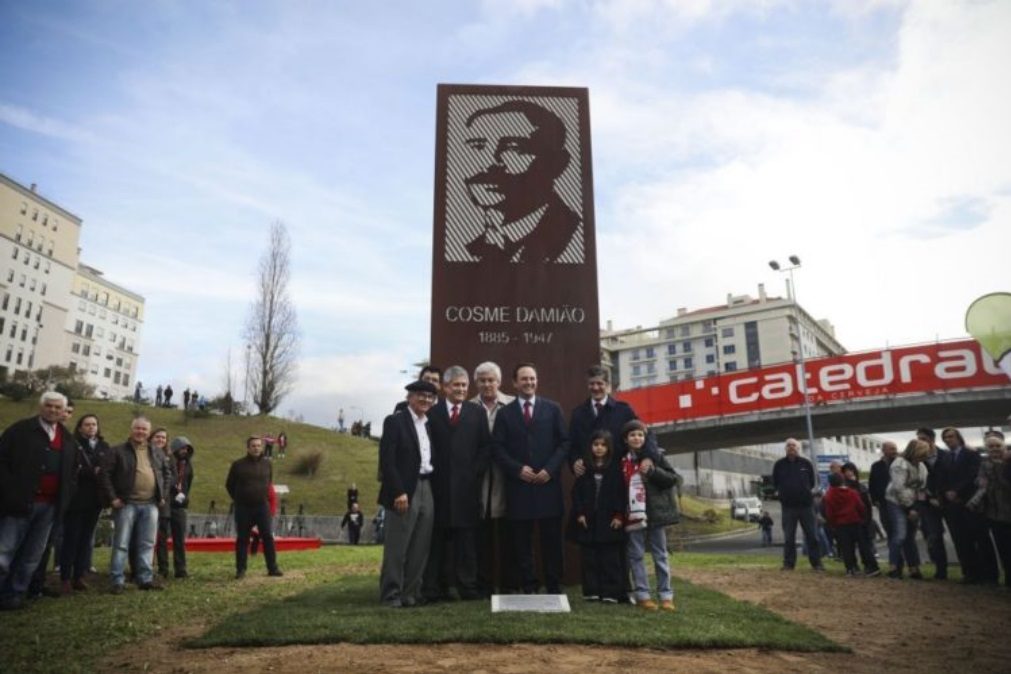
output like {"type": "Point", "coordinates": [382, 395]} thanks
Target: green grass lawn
{"type": "Point", "coordinates": [331, 595]}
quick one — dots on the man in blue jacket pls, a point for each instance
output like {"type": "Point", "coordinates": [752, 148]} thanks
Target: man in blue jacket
{"type": "Point", "coordinates": [794, 479]}
{"type": "Point", "coordinates": [531, 445]}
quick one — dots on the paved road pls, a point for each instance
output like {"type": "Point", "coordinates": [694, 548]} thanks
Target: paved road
{"type": "Point", "coordinates": [750, 542]}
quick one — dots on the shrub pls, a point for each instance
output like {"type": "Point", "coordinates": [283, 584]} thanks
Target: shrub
{"type": "Point", "coordinates": [710, 516]}
{"type": "Point", "coordinates": [308, 464]}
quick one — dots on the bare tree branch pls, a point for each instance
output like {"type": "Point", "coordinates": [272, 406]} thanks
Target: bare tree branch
{"type": "Point", "coordinates": [272, 327]}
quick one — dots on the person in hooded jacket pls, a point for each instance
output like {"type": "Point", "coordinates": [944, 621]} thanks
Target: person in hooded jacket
{"type": "Point", "coordinates": [179, 498]}
{"type": "Point", "coordinates": [85, 506]}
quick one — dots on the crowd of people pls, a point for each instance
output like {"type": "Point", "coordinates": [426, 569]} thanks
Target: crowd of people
{"type": "Point", "coordinates": [54, 484]}
{"type": "Point", "coordinates": [467, 483]}
{"type": "Point", "coordinates": [957, 490]}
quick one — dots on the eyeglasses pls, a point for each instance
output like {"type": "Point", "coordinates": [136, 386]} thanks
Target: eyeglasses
{"type": "Point", "coordinates": [426, 396]}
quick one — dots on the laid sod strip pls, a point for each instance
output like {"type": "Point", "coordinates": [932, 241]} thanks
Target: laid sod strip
{"type": "Point", "coordinates": [347, 610]}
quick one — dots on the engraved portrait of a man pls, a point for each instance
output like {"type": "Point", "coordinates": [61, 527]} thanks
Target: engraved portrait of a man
{"type": "Point", "coordinates": [512, 156]}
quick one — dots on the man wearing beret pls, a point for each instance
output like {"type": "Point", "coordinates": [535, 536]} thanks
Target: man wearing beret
{"type": "Point", "coordinates": [405, 463]}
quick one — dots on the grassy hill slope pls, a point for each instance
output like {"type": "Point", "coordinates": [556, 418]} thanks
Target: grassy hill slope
{"type": "Point", "coordinates": [220, 440]}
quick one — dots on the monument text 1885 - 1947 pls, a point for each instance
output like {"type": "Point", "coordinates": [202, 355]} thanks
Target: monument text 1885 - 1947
{"type": "Point", "coordinates": [514, 264]}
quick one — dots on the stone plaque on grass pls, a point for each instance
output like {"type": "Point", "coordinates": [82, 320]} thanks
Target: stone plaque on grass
{"type": "Point", "coordinates": [530, 603]}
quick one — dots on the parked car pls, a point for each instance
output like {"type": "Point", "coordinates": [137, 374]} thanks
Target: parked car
{"type": "Point", "coordinates": [747, 508]}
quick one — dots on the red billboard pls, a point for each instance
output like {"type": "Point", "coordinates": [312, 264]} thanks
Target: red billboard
{"type": "Point", "coordinates": [874, 374]}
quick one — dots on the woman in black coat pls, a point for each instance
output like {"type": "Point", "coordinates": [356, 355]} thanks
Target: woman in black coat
{"type": "Point", "coordinates": [598, 519]}
{"type": "Point", "coordinates": [81, 516]}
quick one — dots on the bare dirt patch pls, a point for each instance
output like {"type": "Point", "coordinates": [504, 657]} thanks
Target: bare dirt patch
{"type": "Point", "coordinates": [891, 626]}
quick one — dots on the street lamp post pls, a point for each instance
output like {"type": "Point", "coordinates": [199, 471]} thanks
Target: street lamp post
{"type": "Point", "coordinates": [795, 264]}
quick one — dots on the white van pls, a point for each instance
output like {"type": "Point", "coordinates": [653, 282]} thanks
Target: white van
{"type": "Point", "coordinates": [747, 508]}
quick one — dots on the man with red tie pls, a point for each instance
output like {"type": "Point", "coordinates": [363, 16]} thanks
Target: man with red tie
{"type": "Point", "coordinates": [531, 445]}
{"type": "Point", "coordinates": [461, 450]}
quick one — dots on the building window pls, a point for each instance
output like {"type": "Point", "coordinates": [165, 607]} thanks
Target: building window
{"type": "Point", "coordinates": [119, 362]}
{"type": "Point", "coordinates": [707, 326]}
{"type": "Point", "coordinates": [75, 347]}
{"type": "Point", "coordinates": [636, 370]}
{"type": "Point", "coordinates": [2, 321]}
{"type": "Point", "coordinates": [31, 284]}
{"type": "Point", "coordinates": [10, 276]}
{"type": "Point", "coordinates": [89, 330]}
{"type": "Point", "coordinates": [730, 367]}
{"type": "Point", "coordinates": [15, 253]}
{"type": "Point", "coordinates": [635, 355]}
{"type": "Point", "coordinates": [107, 373]}
{"type": "Point", "coordinates": [86, 350]}
{"type": "Point", "coordinates": [10, 352]}
{"type": "Point", "coordinates": [21, 356]}
{"type": "Point", "coordinates": [79, 327]}
{"type": "Point", "coordinates": [116, 377]}
{"type": "Point", "coordinates": [672, 349]}
{"type": "Point", "coordinates": [49, 250]}
{"type": "Point", "coordinates": [28, 310]}
{"type": "Point", "coordinates": [650, 352]}
{"type": "Point", "coordinates": [24, 333]}
{"type": "Point", "coordinates": [43, 291]}
{"type": "Point", "coordinates": [709, 342]}
{"type": "Point", "coordinates": [710, 358]}
{"type": "Point", "coordinates": [24, 207]}
{"type": "Point", "coordinates": [99, 332]}
{"type": "Point", "coordinates": [688, 363]}
{"type": "Point", "coordinates": [729, 349]}
{"type": "Point", "coordinates": [97, 350]}
{"type": "Point", "coordinates": [56, 224]}
{"type": "Point", "coordinates": [73, 366]}
{"type": "Point", "coordinates": [686, 347]}
{"type": "Point", "coordinates": [17, 305]}
{"type": "Point", "coordinates": [31, 358]}
{"type": "Point", "coordinates": [14, 329]}
{"type": "Point", "coordinates": [21, 281]}
{"type": "Point", "coordinates": [672, 364]}
{"type": "Point", "coordinates": [686, 330]}
{"type": "Point", "coordinates": [651, 367]}
{"type": "Point", "coordinates": [104, 299]}
{"type": "Point", "coordinates": [7, 300]}
{"type": "Point", "coordinates": [101, 313]}
{"type": "Point", "coordinates": [47, 266]}
{"type": "Point", "coordinates": [727, 332]}
{"type": "Point", "coordinates": [126, 379]}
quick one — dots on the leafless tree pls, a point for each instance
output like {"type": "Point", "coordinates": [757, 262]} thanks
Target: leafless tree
{"type": "Point", "coordinates": [272, 327]}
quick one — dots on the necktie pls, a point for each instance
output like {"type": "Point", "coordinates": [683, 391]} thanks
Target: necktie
{"type": "Point", "coordinates": [599, 406]}
{"type": "Point", "coordinates": [527, 412]}
{"type": "Point", "coordinates": [454, 415]}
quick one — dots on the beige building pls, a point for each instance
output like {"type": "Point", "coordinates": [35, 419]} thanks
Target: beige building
{"type": "Point", "coordinates": [745, 332]}
{"type": "Point", "coordinates": [38, 260]}
{"type": "Point", "coordinates": [103, 333]}
{"type": "Point", "coordinates": [54, 310]}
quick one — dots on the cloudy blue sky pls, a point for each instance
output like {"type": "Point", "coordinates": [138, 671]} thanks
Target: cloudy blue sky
{"type": "Point", "coordinates": [870, 138]}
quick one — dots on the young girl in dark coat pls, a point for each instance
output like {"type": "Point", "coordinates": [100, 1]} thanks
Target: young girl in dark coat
{"type": "Point", "coordinates": [597, 523]}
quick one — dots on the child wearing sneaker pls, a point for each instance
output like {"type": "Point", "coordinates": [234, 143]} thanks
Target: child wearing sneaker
{"type": "Point", "coordinates": [651, 506]}
{"type": "Point", "coordinates": [845, 512]}
{"type": "Point", "coordinates": [598, 520]}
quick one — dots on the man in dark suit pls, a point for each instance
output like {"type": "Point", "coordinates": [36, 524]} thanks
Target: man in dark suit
{"type": "Point", "coordinates": [516, 152]}
{"type": "Point", "coordinates": [975, 551]}
{"type": "Point", "coordinates": [405, 462]}
{"type": "Point", "coordinates": [461, 450]}
{"type": "Point", "coordinates": [38, 474]}
{"type": "Point", "coordinates": [531, 445]}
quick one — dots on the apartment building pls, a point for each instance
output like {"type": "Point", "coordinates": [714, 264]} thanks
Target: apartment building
{"type": "Point", "coordinates": [103, 332]}
{"type": "Point", "coordinates": [38, 262]}
{"type": "Point", "coordinates": [55, 311]}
